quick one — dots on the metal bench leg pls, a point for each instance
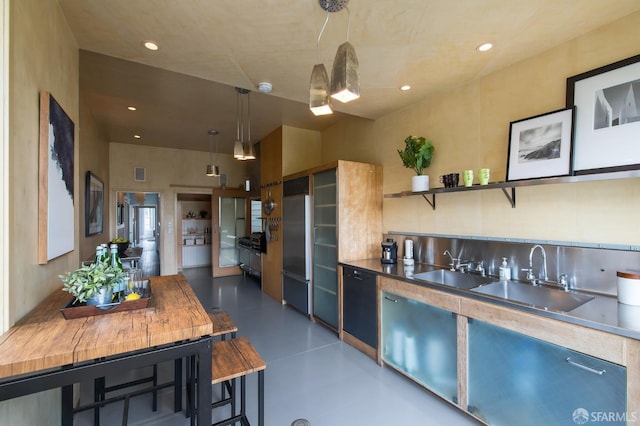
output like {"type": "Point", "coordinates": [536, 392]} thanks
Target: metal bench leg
{"type": "Point", "coordinates": [177, 384]}
{"type": "Point", "coordinates": [261, 398]}
{"type": "Point", "coordinates": [125, 412]}
{"type": "Point", "coordinates": [98, 395]}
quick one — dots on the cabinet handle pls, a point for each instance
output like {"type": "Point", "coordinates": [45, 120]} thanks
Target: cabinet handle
{"type": "Point", "coordinates": [584, 367]}
{"type": "Point", "coordinates": [392, 300]}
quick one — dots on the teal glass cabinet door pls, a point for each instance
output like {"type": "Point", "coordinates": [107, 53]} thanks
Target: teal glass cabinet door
{"type": "Point", "coordinates": [421, 341]}
{"type": "Point", "coordinates": [518, 380]}
{"type": "Point", "coordinates": [325, 247]}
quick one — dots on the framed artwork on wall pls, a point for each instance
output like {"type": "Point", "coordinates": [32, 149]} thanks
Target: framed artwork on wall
{"type": "Point", "coordinates": [94, 205]}
{"type": "Point", "coordinates": [607, 123]}
{"type": "Point", "coordinates": [540, 146]}
{"type": "Point", "coordinates": [56, 228]}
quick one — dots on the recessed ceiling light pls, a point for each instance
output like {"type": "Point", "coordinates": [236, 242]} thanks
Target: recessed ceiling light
{"type": "Point", "coordinates": [151, 45]}
{"type": "Point", "coordinates": [131, 108]}
{"type": "Point", "coordinates": [405, 87]}
{"type": "Point", "coordinates": [484, 47]}
{"type": "Point", "coordinates": [137, 136]}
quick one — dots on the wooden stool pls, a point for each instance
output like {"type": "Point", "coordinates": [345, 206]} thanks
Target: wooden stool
{"type": "Point", "coordinates": [232, 359]}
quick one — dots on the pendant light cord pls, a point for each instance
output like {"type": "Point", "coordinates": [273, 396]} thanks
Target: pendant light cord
{"type": "Point", "coordinates": [249, 117]}
{"type": "Point", "coordinates": [320, 35]}
{"type": "Point", "coordinates": [348, 21]}
{"type": "Point", "coordinates": [238, 116]}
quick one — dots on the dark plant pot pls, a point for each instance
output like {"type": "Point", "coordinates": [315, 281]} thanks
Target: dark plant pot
{"type": "Point", "coordinates": [122, 247]}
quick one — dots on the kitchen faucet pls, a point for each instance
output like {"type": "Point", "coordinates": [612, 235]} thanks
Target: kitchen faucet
{"type": "Point", "coordinates": [542, 276]}
{"type": "Point", "coordinates": [455, 261]}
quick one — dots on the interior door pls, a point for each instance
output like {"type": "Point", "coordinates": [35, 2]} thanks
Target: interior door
{"type": "Point", "coordinates": [231, 221]}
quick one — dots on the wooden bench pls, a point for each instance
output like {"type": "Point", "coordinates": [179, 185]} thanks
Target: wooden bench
{"type": "Point", "coordinates": [232, 359]}
{"type": "Point", "coordinates": [222, 324]}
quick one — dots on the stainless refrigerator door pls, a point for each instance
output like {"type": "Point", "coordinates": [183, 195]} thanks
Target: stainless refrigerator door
{"type": "Point", "coordinates": [296, 236]}
{"type": "Point", "coordinates": [296, 292]}
{"type": "Point", "coordinates": [296, 250]}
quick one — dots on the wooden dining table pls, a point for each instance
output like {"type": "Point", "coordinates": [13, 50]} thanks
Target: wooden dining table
{"type": "Point", "coordinates": [45, 351]}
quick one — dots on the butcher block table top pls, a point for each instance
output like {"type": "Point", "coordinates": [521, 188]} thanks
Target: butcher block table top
{"type": "Point", "coordinates": [43, 339]}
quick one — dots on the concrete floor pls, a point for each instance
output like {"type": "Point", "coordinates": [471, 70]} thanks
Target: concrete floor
{"type": "Point", "coordinates": [310, 373]}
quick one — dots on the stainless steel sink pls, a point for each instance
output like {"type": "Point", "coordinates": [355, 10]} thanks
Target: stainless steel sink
{"type": "Point", "coordinates": [454, 279]}
{"type": "Point", "coordinates": [537, 296]}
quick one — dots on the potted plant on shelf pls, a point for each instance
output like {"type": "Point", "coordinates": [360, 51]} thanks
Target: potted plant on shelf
{"type": "Point", "coordinates": [93, 284]}
{"type": "Point", "coordinates": [417, 155]}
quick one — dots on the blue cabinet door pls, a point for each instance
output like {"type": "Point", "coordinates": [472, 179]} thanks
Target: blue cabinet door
{"type": "Point", "coordinates": [421, 341]}
{"type": "Point", "coordinates": [519, 380]}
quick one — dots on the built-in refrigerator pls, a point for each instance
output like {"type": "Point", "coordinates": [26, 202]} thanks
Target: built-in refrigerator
{"type": "Point", "coordinates": [296, 245]}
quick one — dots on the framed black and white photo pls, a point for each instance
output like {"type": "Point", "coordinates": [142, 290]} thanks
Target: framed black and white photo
{"type": "Point", "coordinates": [540, 146]}
{"type": "Point", "coordinates": [607, 121]}
{"type": "Point", "coordinates": [94, 205]}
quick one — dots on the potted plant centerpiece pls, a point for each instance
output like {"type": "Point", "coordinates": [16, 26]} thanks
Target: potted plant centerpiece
{"type": "Point", "coordinates": [417, 155]}
{"type": "Point", "coordinates": [93, 284]}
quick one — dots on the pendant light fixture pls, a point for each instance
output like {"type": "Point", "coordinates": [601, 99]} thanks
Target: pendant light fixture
{"type": "Point", "coordinates": [238, 148]}
{"type": "Point", "coordinates": [249, 152]}
{"type": "Point", "coordinates": [212, 169]}
{"type": "Point", "coordinates": [345, 75]}
{"type": "Point", "coordinates": [319, 100]}
{"type": "Point", "coordinates": [345, 78]}
{"type": "Point", "coordinates": [243, 150]}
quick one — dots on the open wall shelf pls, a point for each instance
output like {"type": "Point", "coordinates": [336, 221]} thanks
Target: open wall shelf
{"type": "Point", "coordinates": [509, 188]}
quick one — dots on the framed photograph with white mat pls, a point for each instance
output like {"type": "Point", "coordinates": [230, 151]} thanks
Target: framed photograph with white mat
{"type": "Point", "coordinates": [540, 146]}
{"type": "Point", "coordinates": [607, 121]}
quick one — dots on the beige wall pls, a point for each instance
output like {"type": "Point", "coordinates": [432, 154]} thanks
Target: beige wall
{"type": "Point", "coordinates": [94, 157]}
{"type": "Point", "coordinates": [301, 149]}
{"type": "Point", "coordinates": [166, 167]}
{"type": "Point", "coordinates": [43, 56]}
{"type": "Point", "coordinates": [469, 127]}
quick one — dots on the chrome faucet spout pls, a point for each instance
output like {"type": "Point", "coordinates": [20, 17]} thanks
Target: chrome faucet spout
{"type": "Point", "coordinates": [454, 260]}
{"type": "Point", "coordinates": [543, 274]}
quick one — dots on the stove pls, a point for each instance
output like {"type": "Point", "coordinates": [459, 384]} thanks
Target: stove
{"type": "Point", "coordinates": [257, 241]}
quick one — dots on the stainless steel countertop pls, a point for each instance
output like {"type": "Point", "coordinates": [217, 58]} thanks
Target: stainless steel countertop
{"type": "Point", "coordinates": [603, 313]}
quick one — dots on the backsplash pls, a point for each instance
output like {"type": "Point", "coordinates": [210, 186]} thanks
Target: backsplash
{"type": "Point", "coordinates": [590, 268]}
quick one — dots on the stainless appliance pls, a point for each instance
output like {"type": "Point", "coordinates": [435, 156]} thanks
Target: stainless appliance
{"type": "Point", "coordinates": [389, 251]}
{"type": "Point", "coordinates": [296, 245]}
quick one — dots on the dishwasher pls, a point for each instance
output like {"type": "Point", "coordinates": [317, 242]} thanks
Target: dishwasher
{"type": "Point", "coordinates": [360, 316]}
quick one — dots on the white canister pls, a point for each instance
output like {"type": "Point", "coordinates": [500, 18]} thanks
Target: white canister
{"type": "Point", "coordinates": [629, 287]}
{"type": "Point", "coordinates": [408, 249]}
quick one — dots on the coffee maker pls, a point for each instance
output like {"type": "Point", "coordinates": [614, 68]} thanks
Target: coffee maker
{"type": "Point", "coordinates": [389, 251]}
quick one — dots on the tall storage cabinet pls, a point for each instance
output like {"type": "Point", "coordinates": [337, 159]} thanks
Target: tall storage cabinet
{"type": "Point", "coordinates": [347, 225]}
{"type": "Point", "coordinates": [325, 247]}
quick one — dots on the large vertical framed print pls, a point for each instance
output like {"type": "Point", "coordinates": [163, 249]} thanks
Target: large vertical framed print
{"type": "Point", "coordinates": [607, 122]}
{"type": "Point", "coordinates": [56, 227]}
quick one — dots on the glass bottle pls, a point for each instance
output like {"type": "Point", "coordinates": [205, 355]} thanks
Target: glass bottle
{"type": "Point", "coordinates": [118, 289]}
{"type": "Point", "coordinates": [98, 254]}
{"type": "Point", "coordinates": [105, 253]}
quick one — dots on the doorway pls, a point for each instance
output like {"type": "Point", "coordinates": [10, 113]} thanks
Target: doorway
{"type": "Point", "coordinates": [144, 224]}
{"type": "Point", "coordinates": [138, 220]}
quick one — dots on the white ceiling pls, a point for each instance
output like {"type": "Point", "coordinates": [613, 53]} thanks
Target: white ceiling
{"type": "Point", "coordinates": [208, 47]}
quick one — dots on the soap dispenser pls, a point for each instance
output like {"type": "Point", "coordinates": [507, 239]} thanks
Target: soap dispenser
{"type": "Point", "coordinates": [504, 272]}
